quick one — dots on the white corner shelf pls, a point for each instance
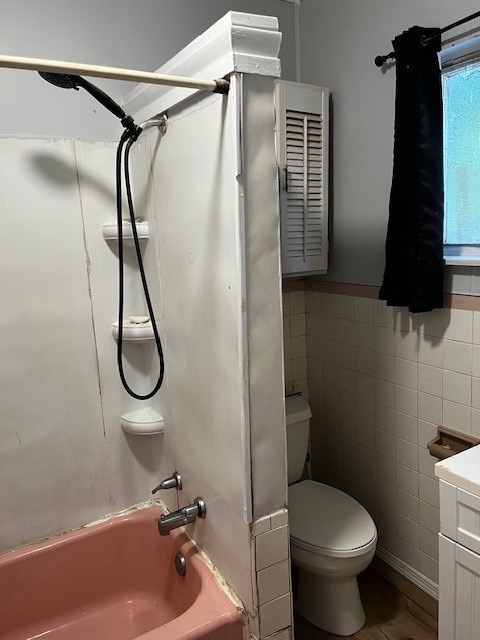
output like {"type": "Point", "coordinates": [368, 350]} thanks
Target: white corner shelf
{"type": "Point", "coordinates": [143, 422]}
{"type": "Point", "coordinates": [135, 332]}
{"type": "Point", "coordinates": [110, 231]}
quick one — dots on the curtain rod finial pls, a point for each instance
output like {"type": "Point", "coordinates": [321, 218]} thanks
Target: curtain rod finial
{"type": "Point", "coordinates": [381, 60]}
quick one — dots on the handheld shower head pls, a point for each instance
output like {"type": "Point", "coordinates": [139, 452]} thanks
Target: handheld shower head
{"type": "Point", "coordinates": [65, 81]}
{"type": "Point", "coordinates": [61, 80]}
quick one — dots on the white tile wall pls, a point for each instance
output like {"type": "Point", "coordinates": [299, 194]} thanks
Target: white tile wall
{"type": "Point", "coordinates": [275, 615]}
{"type": "Point", "coordinates": [273, 582]}
{"type": "Point", "coordinates": [271, 547]}
{"type": "Point", "coordinates": [286, 634]}
{"type": "Point", "coordinates": [271, 578]}
{"type": "Point", "coordinates": [400, 376]}
{"type": "Point", "coordinates": [295, 343]}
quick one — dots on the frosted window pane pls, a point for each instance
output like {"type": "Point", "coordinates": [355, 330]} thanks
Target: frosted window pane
{"type": "Point", "coordinates": [461, 94]}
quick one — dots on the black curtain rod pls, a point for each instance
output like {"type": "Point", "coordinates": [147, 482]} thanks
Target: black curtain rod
{"type": "Point", "coordinates": [380, 60]}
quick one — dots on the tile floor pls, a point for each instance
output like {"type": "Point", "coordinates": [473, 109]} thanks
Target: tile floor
{"type": "Point", "coordinates": [390, 615]}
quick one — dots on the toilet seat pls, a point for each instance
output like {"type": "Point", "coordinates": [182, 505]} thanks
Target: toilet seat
{"type": "Point", "coordinates": [326, 521]}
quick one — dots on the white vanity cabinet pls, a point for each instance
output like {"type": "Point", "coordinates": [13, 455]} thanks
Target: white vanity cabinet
{"type": "Point", "coordinates": [459, 546]}
{"type": "Point", "coordinates": [459, 611]}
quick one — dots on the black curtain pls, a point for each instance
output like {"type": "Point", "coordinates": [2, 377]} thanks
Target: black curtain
{"type": "Point", "coordinates": [413, 275]}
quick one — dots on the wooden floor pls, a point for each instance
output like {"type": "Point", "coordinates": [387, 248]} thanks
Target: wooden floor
{"type": "Point", "coordinates": [390, 615]}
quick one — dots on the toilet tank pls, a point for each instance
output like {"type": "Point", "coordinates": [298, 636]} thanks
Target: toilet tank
{"type": "Point", "coordinates": [297, 414]}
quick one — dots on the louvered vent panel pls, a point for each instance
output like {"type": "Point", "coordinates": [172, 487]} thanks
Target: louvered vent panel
{"type": "Point", "coordinates": [303, 185]}
{"type": "Point", "coordinates": [303, 146]}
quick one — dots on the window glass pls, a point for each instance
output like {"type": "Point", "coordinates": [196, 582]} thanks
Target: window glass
{"type": "Point", "coordinates": [461, 95]}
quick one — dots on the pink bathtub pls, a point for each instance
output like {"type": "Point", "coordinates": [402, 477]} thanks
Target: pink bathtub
{"type": "Point", "coordinates": [113, 581]}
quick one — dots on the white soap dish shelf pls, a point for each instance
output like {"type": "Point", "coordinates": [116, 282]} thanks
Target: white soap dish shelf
{"type": "Point", "coordinates": [135, 332]}
{"type": "Point", "coordinates": [110, 231]}
{"type": "Point", "coordinates": [143, 422]}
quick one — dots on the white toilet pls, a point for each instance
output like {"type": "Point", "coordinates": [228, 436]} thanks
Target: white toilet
{"type": "Point", "coordinates": [332, 537]}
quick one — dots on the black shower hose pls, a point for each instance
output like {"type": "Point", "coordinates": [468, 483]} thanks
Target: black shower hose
{"type": "Point", "coordinates": [123, 153]}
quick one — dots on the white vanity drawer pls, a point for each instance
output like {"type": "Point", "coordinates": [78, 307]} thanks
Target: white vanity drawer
{"type": "Point", "coordinates": [460, 516]}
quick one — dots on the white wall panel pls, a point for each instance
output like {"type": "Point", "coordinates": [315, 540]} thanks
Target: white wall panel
{"type": "Point", "coordinates": [64, 457]}
{"type": "Point", "coordinates": [265, 329]}
{"type": "Point", "coordinates": [133, 462]}
{"type": "Point", "coordinates": [197, 202]}
{"type": "Point", "coordinates": [52, 451]}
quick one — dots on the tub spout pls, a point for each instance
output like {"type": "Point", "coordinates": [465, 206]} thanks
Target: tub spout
{"type": "Point", "coordinates": [183, 516]}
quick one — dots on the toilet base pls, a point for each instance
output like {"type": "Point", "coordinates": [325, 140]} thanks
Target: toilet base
{"type": "Point", "coordinates": [334, 606]}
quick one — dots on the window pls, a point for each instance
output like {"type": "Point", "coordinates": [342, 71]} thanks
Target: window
{"type": "Point", "coordinates": [461, 112]}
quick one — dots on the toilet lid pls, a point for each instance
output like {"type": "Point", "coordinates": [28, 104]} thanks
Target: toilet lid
{"type": "Point", "coordinates": [325, 517]}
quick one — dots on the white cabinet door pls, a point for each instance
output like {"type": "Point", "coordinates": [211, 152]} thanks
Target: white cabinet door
{"type": "Point", "coordinates": [302, 146]}
{"type": "Point", "coordinates": [459, 610]}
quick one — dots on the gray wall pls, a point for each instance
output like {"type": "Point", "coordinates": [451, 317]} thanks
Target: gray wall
{"type": "Point", "coordinates": [137, 35]}
{"type": "Point", "coordinates": [339, 41]}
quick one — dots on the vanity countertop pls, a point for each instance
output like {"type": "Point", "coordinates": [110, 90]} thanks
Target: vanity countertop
{"type": "Point", "coordinates": [462, 470]}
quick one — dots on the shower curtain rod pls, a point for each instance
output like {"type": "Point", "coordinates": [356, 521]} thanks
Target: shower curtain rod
{"type": "Point", "coordinates": [73, 68]}
{"type": "Point", "coordinates": [380, 60]}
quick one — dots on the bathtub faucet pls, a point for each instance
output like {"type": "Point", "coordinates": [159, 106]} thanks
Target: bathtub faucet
{"type": "Point", "coordinates": [174, 482]}
{"type": "Point", "coordinates": [183, 516]}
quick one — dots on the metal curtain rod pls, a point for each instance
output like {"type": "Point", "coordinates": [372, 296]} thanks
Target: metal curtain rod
{"type": "Point", "coordinates": [74, 68]}
{"type": "Point", "coordinates": [380, 60]}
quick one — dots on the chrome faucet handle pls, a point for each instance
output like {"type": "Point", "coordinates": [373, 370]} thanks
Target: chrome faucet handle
{"type": "Point", "coordinates": [174, 482]}
{"type": "Point", "coordinates": [182, 517]}
{"type": "Point", "coordinates": [197, 509]}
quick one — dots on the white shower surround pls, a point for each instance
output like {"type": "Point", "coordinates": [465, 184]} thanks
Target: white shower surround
{"type": "Point", "coordinates": [90, 467]}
